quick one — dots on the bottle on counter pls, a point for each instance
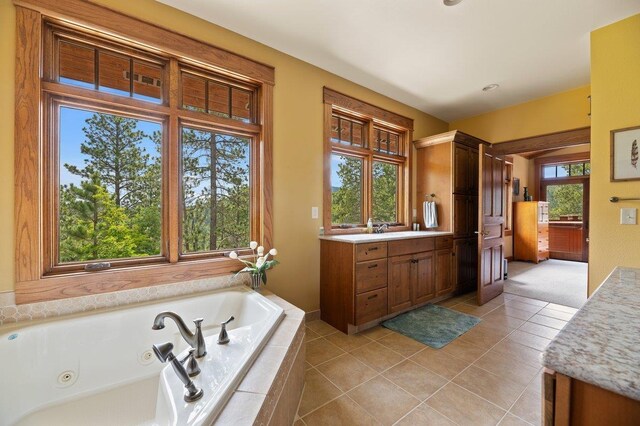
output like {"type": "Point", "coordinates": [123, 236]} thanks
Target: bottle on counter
{"type": "Point", "coordinates": [369, 226]}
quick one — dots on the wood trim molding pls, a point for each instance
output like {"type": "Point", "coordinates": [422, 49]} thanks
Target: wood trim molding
{"type": "Point", "coordinates": [351, 104]}
{"type": "Point", "coordinates": [28, 173]}
{"type": "Point", "coordinates": [545, 142]}
{"type": "Point", "coordinates": [130, 28]}
{"type": "Point", "coordinates": [451, 136]}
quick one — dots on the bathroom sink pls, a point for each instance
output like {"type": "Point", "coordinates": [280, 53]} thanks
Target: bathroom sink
{"type": "Point", "coordinates": [387, 236]}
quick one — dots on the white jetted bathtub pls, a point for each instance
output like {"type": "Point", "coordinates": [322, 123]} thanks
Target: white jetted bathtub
{"type": "Point", "coordinates": [100, 369]}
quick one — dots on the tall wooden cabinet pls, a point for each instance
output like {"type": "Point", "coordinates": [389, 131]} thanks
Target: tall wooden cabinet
{"type": "Point", "coordinates": [447, 166]}
{"type": "Point", "coordinates": [531, 231]}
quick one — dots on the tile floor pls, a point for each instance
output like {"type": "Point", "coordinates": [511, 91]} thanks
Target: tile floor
{"type": "Point", "coordinates": [490, 375]}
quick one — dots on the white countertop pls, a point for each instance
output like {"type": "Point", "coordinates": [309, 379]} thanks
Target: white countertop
{"type": "Point", "coordinates": [601, 343]}
{"type": "Point", "coordinates": [387, 236]}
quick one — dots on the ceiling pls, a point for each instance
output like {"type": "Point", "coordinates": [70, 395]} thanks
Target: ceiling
{"type": "Point", "coordinates": [430, 56]}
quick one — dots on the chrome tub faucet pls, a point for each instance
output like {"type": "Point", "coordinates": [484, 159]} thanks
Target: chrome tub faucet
{"type": "Point", "coordinates": [195, 339]}
{"type": "Point", "coordinates": [165, 354]}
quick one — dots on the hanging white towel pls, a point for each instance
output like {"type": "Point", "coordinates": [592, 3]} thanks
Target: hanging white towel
{"type": "Point", "coordinates": [430, 214]}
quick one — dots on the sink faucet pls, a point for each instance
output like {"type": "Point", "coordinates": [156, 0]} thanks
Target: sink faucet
{"type": "Point", "coordinates": [195, 339]}
{"type": "Point", "coordinates": [380, 228]}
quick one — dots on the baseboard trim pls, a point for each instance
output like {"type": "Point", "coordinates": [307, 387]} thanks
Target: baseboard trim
{"type": "Point", "coordinates": [312, 315]}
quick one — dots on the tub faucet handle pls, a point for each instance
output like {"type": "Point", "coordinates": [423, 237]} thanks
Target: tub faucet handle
{"type": "Point", "coordinates": [191, 364]}
{"type": "Point", "coordinates": [223, 337]}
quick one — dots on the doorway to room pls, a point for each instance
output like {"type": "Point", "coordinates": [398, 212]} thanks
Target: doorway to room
{"type": "Point", "coordinates": [557, 176]}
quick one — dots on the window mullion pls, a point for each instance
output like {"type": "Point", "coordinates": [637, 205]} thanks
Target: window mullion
{"type": "Point", "coordinates": [172, 190]}
{"type": "Point", "coordinates": [368, 177]}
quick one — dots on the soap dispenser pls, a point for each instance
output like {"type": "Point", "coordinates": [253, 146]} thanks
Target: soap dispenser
{"type": "Point", "coordinates": [369, 226]}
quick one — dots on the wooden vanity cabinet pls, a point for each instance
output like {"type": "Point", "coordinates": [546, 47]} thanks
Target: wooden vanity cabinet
{"type": "Point", "coordinates": [365, 282]}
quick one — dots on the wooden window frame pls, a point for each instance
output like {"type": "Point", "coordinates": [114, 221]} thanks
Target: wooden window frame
{"type": "Point", "coordinates": [539, 163]}
{"type": "Point", "coordinates": [35, 87]}
{"type": "Point", "coordinates": [336, 103]}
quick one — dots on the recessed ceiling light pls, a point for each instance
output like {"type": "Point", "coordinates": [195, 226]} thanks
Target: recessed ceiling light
{"type": "Point", "coordinates": [490, 87]}
{"type": "Point", "coordinates": [451, 2]}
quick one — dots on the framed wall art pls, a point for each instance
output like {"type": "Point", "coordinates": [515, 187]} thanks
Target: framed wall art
{"type": "Point", "coordinates": [625, 144]}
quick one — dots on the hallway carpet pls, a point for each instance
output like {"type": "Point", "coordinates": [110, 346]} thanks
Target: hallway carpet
{"type": "Point", "coordinates": [554, 281]}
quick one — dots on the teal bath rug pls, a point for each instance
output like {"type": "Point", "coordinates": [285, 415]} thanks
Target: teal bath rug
{"type": "Point", "coordinates": [433, 325]}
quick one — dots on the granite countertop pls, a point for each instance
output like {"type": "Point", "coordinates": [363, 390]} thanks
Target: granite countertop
{"type": "Point", "coordinates": [387, 236]}
{"type": "Point", "coordinates": [601, 344]}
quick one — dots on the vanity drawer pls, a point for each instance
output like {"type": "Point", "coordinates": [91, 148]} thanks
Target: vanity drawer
{"type": "Point", "coordinates": [371, 251]}
{"type": "Point", "coordinates": [414, 245]}
{"type": "Point", "coordinates": [371, 275]}
{"type": "Point", "coordinates": [444, 242]}
{"type": "Point", "coordinates": [371, 306]}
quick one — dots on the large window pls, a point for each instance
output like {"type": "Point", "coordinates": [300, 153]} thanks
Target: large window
{"type": "Point", "coordinates": [366, 170]}
{"type": "Point", "coordinates": [144, 155]}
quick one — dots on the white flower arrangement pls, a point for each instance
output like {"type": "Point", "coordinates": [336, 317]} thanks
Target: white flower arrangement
{"type": "Point", "coordinates": [260, 262]}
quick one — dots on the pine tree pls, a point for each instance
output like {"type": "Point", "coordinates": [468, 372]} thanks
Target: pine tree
{"type": "Point", "coordinates": [634, 154]}
{"type": "Point", "coordinates": [346, 203]}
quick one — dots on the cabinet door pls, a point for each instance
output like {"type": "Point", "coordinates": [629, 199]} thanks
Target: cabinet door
{"type": "Point", "coordinates": [460, 270]}
{"type": "Point", "coordinates": [444, 266]}
{"type": "Point", "coordinates": [399, 282]}
{"type": "Point", "coordinates": [472, 215]}
{"type": "Point", "coordinates": [460, 169]}
{"type": "Point", "coordinates": [473, 171]}
{"type": "Point", "coordinates": [424, 277]}
{"type": "Point", "coordinates": [461, 216]}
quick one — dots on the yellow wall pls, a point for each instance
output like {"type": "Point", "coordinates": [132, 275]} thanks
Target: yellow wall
{"type": "Point", "coordinates": [561, 111]}
{"type": "Point", "coordinates": [615, 87]}
{"type": "Point", "coordinates": [298, 112]}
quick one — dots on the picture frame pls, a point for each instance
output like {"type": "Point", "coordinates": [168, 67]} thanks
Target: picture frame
{"type": "Point", "coordinates": [516, 186]}
{"type": "Point", "coordinates": [625, 147]}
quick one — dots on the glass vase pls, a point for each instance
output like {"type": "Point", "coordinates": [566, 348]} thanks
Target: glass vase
{"type": "Point", "coordinates": [256, 282]}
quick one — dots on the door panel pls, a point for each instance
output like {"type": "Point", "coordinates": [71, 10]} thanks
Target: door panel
{"type": "Point", "coordinates": [444, 280]}
{"type": "Point", "coordinates": [460, 169]}
{"type": "Point", "coordinates": [399, 285]}
{"type": "Point", "coordinates": [473, 171]}
{"type": "Point", "coordinates": [425, 284]}
{"type": "Point", "coordinates": [490, 225]}
{"type": "Point", "coordinates": [460, 214]}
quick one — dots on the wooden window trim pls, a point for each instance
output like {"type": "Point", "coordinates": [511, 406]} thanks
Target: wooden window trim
{"type": "Point", "coordinates": [557, 159]}
{"type": "Point", "coordinates": [31, 284]}
{"type": "Point", "coordinates": [344, 105]}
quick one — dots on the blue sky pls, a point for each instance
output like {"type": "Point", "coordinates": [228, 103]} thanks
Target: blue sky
{"type": "Point", "coordinates": [72, 120]}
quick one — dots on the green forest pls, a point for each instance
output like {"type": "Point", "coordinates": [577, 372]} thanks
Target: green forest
{"type": "Point", "coordinates": [346, 200]}
{"type": "Point", "coordinates": [114, 209]}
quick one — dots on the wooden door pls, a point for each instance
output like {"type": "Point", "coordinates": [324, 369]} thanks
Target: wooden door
{"type": "Point", "coordinates": [473, 171]}
{"type": "Point", "coordinates": [399, 283]}
{"type": "Point", "coordinates": [490, 225]}
{"type": "Point", "coordinates": [460, 216]}
{"type": "Point", "coordinates": [424, 283]}
{"type": "Point", "coordinates": [460, 169]}
{"type": "Point", "coordinates": [444, 276]}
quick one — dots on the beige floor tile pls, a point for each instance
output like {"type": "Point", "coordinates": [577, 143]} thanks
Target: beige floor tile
{"type": "Point", "coordinates": [473, 309]}
{"type": "Point", "coordinates": [318, 390]}
{"type": "Point", "coordinates": [424, 415]}
{"type": "Point", "coordinates": [307, 366]}
{"type": "Point", "coordinates": [342, 411]}
{"type": "Point", "coordinates": [376, 332]}
{"type": "Point", "coordinates": [529, 407]}
{"type": "Point", "coordinates": [464, 350]}
{"type": "Point", "coordinates": [440, 362]}
{"type": "Point", "coordinates": [321, 350]}
{"type": "Point", "coordinates": [385, 401]}
{"type": "Point", "coordinates": [347, 342]}
{"type": "Point", "coordinates": [562, 308]}
{"type": "Point", "coordinates": [346, 372]}
{"type": "Point", "coordinates": [522, 306]}
{"type": "Point", "coordinates": [310, 335]}
{"type": "Point", "coordinates": [448, 303]}
{"type": "Point", "coordinates": [517, 352]}
{"type": "Point", "coordinates": [528, 339]}
{"type": "Point", "coordinates": [513, 312]}
{"type": "Point", "coordinates": [511, 420]}
{"type": "Point", "coordinates": [416, 380]}
{"type": "Point", "coordinates": [465, 408]}
{"type": "Point", "coordinates": [377, 356]}
{"type": "Point", "coordinates": [501, 321]}
{"type": "Point", "coordinates": [483, 336]}
{"type": "Point", "coordinates": [523, 299]}
{"type": "Point", "coordinates": [496, 389]}
{"type": "Point", "coordinates": [321, 327]}
{"type": "Point", "coordinates": [564, 316]}
{"type": "Point", "coordinates": [539, 330]}
{"type": "Point", "coordinates": [507, 367]}
{"type": "Point", "coordinates": [403, 345]}
{"type": "Point", "coordinates": [299, 422]}
{"type": "Point", "coordinates": [548, 321]}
